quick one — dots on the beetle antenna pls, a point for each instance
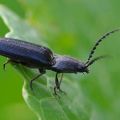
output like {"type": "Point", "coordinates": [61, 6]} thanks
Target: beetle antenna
{"type": "Point", "coordinates": [95, 59]}
{"type": "Point", "coordinates": [97, 43]}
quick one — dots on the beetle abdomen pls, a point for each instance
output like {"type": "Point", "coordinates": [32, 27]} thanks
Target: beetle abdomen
{"type": "Point", "coordinates": [25, 52]}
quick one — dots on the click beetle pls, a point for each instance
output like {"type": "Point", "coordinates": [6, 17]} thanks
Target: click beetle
{"type": "Point", "coordinates": [42, 58]}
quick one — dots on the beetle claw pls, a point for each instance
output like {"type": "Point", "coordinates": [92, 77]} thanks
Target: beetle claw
{"type": "Point", "coordinates": [55, 92]}
{"type": "Point", "coordinates": [62, 92]}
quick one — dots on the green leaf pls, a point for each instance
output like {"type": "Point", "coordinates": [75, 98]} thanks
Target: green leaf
{"type": "Point", "coordinates": [71, 27]}
{"type": "Point", "coordinates": [41, 100]}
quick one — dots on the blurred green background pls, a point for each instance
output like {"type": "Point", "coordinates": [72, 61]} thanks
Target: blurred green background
{"type": "Point", "coordinates": [69, 27]}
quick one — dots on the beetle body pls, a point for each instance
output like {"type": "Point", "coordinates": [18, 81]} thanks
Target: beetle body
{"type": "Point", "coordinates": [42, 58]}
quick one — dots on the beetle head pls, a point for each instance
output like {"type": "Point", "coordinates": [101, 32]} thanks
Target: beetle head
{"type": "Point", "coordinates": [83, 68]}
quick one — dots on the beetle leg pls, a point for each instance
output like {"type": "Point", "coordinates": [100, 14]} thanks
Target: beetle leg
{"type": "Point", "coordinates": [60, 80]}
{"type": "Point", "coordinates": [31, 81]}
{"type": "Point", "coordinates": [58, 83]}
{"type": "Point", "coordinates": [55, 90]}
{"type": "Point", "coordinates": [41, 73]}
{"type": "Point", "coordinates": [4, 65]}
